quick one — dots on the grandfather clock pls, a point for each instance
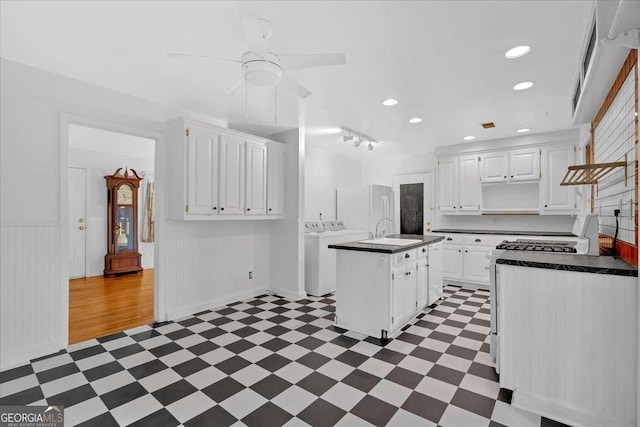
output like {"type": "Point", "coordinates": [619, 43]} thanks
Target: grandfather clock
{"type": "Point", "coordinates": [122, 223]}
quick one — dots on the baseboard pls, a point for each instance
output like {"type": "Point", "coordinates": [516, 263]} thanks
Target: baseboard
{"type": "Point", "coordinates": [22, 357]}
{"type": "Point", "coordinates": [286, 293]}
{"type": "Point", "coordinates": [564, 413]}
{"type": "Point", "coordinates": [177, 313]}
{"type": "Point", "coordinates": [464, 284]}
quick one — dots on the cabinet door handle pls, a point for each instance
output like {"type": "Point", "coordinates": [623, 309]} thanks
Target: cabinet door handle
{"type": "Point", "coordinates": [221, 209]}
{"type": "Point", "coordinates": [424, 250]}
{"type": "Point", "coordinates": [459, 251]}
{"type": "Point", "coordinates": [449, 238]}
{"type": "Point", "coordinates": [248, 209]}
{"type": "Point", "coordinates": [466, 251]}
{"type": "Point", "coordinates": [545, 206]}
{"type": "Point", "coordinates": [505, 176]}
{"type": "Point", "coordinates": [478, 240]}
{"type": "Point", "coordinates": [511, 176]}
{"type": "Point", "coordinates": [406, 255]}
{"type": "Point", "coordinates": [270, 209]}
{"type": "Point", "coordinates": [215, 208]}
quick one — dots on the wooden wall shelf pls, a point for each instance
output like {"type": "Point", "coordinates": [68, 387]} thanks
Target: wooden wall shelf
{"type": "Point", "coordinates": [590, 174]}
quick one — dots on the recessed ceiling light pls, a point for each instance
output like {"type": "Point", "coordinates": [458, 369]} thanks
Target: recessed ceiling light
{"type": "Point", "coordinates": [389, 102]}
{"type": "Point", "coordinates": [517, 52]}
{"type": "Point", "coordinates": [469, 138]}
{"type": "Point", "coordinates": [521, 130]}
{"type": "Point", "coordinates": [523, 86]}
{"type": "Point", "coordinates": [415, 120]}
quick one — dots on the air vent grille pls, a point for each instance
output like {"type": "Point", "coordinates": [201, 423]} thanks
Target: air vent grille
{"type": "Point", "coordinates": [488, 125]}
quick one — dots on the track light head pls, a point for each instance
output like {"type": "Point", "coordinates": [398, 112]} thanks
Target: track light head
{"type": "Point", "coordinates": [357, 142]}
{"type": "Point", "coordinates": [348, 138]}
{"type": "Point", "coordinates": [370, 148]}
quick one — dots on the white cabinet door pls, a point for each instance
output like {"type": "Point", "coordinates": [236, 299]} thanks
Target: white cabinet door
{"type": "Point", "coordinates": [452, 262]}
{"type": "Point", "coordinates": [398, 290]}
{"type": "Point", "coordinates": [469, 185]}
{"type": "Point", "coordinates": [435, 272]}
{"type": "Point", "coordinates": [524, 165]}
{"type": "Point", "coordinates": [256, 178]}
{"type": "Point", "coordinates": [474, 263]}
{"type": "Point", "coordinates": [275, 179]}
{"type": "Point", "coordinates": [410, 295]}
{"type": "Point", "coordinates": [422, 279]}
{"type": "Point", "coordinates": [494, 167]}
{"type": "Point", "coordinates": [556, 199]}
{"type": "Point", "coordinates": [448, 184]}
{"type": "Point", "coordinates": [231, 175]}
{"type": "Point", "coordinates": [202, 167]}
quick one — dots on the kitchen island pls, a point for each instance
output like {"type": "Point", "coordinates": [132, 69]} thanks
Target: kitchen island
{"type": "Point", "coordinates": [567, 336]}
{"type": "Point", "coordinates": [382, 284]}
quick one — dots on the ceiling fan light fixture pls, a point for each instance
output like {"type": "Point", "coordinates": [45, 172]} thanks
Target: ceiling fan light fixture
{"type": "Point", "coordinates": [389, 102]}
{"type": "Point", "coordinates": [517, 52]}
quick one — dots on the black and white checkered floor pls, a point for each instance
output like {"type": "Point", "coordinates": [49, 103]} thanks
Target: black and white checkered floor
{"type": "Point", "coordinates": [271, 362]}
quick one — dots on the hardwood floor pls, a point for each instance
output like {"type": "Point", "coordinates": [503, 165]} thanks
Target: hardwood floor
{"type": "Point", "coordinates": [100, 306]}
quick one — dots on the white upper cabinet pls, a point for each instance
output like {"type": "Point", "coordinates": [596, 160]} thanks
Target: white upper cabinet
{"type": "Point", "coordinates": [494, 167]}
{"type": "Point", "coordinates": [448, 184]}
{"type": "Point", "coordinates": [524, 165]}
{"type": "Point", "coordinates": [202, 181]}
{"type": "Point", "coordinates": [256, 178]}
{"type": "Point", "coordinates": [554, 198]}
{"type": "Point", "coordinates": [231, 175]}
{"type": "Point", "coordinates": [215, 173]}
{"type": "Point", "coordinates": [275, 179]}
{"type": "Point", "coordinates": [468, 187]}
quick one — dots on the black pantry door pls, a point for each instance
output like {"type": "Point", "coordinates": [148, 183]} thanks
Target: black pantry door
{"type": "Point", "coordinates": [412, 208]}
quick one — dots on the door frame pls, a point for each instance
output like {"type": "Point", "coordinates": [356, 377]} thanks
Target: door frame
{"type": "Point", "coordinates": [428, 199]}
{"type": "Point", "coordinates": [129, 126]}
{"type": "Point", "coordinates": [85, 219]}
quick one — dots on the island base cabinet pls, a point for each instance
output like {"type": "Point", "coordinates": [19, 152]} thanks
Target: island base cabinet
{"type": "Point", "coordinates": [373, 296]}
{"type": "Point", "coordinates": [568, 344]}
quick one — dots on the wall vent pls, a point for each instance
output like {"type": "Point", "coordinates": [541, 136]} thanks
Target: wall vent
{"type": "Point", "coordinates": [488, 125]}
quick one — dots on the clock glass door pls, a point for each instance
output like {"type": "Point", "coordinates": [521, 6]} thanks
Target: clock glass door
{"type": "Point", "coordinates": [124, 229]}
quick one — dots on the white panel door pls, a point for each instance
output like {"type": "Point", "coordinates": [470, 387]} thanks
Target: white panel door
{"type": "Point", "coordinates": [469, 185]}
{"type": "Point", "coordinates": [494, 167]}
{"type": "Point", "coordinates": [422, 282]}
{"type": "Point", "coordinates": [394, 205]}
{"type": "Point", "coordinates": [452, 262]}
{"type": "Point", "coordinates": [556, 198]}
{"type": "Point", "coordinates": [77, 222]}
{"type": "Point", "coordinates": [524, 165]}
{"type": "Point", "coordinates": [202, 166]}
{"type": "Point", "coordinates": [231, 175]}
{"type": "Point", "coordinates": [448, 185]}
{"type": "Point", "coordinates": [275, 179]}
{"type": "Point", "coordinates": [256, 178]}
{"type": "Point", "coordinates": [475, 264]}
{"type": "Point", "coordinates": [436, 258]}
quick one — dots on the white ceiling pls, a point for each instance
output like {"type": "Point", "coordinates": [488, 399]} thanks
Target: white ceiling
{"type": "Point", "coordinates": [443, 60]}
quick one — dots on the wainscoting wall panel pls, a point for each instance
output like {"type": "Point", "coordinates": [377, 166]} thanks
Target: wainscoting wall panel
{"type": "Point", "coordinates": [30, 270]}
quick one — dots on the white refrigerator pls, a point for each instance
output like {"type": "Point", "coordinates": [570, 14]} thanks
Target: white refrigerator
{"type": "Point", "coordinates": [362, 208]}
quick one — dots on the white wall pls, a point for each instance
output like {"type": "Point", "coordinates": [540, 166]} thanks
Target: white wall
{"type": "Point", "coordinates": [324, 172]}
{"type": "Point", "coordinates": [197, 265]}
{"type": "Point", "coordinates": [381, 171]}
{"type": "Point", "coordinates": [98, 164]}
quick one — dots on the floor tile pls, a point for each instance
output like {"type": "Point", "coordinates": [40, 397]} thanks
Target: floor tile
{"type": "Point", "coordinates": [268, 415]}
{"type": "Point", "coordinates": [294, 399]}
{"type": "Point", "coordinates": [440, 390]}
{"type": "Point", "coordinates": [425, 406]}
{"type": "Point", "coordinates": [316, 383]}
{"type": "Point", "coordinates": [223, 389]}
{"type": "Point", "coordinates": [474, 402]}
{"type": "Point", "coordinates": [361, 380]}
{"type": "Point", "coordinates": [271, 386]}
{"type": "Point", "coordinates": [135, 409]}
{"type": "Point", "coordinates": [250, 375]}
{"type": "Point", "coordinates": [18, 384]}
{"type": "Point", "coordinates": [243, 403]}
{"type": "Point", "coordinates": [123, 395]}
{"type": "Point", "coordinates": [404, 418]}
{"type": "Point", "coordinates": [391, 392]}
{"type": "Point", "coordinates": [159, 380]}
{"type": "Point", "coordinates": [206, 377]}
{"type": "Point", "coordinates": [321, 413]}
{"type": "Point", "coordinates": [188, 407]}
{"type": "Point", "coordinates": [103, 420]}
{"type": "Point", "coordinates": [375, 411]}
{"type": "Point", "coordinates": [84, 411]}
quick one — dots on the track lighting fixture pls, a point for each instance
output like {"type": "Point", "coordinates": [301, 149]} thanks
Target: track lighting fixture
{"type": "Point", "coordinates": [357, 138]}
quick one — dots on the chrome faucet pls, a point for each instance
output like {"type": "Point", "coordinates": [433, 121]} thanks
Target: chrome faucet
{"type": "Point", "coordinates": [381, 233]}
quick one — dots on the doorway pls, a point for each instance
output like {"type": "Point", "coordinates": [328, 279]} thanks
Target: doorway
{"type": "Point", "coordinates": [98, 305]}
{"type": "Point", "coordinates": [413, 203]}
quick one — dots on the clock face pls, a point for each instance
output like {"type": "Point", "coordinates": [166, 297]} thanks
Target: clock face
{"type": "Point", "coordinates": [125, 195]}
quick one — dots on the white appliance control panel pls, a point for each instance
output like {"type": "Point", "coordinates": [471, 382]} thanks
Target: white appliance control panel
{"type": "Point", "coordinates": [333, 225]}
{"type": "Point", "coordinates": [313, 227]}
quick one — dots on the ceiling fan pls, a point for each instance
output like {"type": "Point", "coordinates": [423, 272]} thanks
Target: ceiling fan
{"type": "Point", "coordinates": [259, 67]}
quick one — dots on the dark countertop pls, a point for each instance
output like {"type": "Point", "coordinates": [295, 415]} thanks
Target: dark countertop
{"type": "Point", "coordinates": [580, 263]}
{"type": "Point", "coordinates": [388, 249]}
{"type": "Point", "coordinates": [515, 233]}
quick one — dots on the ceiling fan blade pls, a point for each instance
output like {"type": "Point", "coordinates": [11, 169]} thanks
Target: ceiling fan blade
{"type": "Point", "coordinates": [254, 34]}
{"type": "Point", "coordinates": [292, 85]}
{"type": "Point", "coordinates": [190, 55]}
{"type": "Point", "coordinates": [234, 87]}
{"type": "Point", "coordinates": [296, 62]}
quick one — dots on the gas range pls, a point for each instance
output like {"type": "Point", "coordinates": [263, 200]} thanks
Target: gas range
{"type": "Point", "coordinates": [565, 247]}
